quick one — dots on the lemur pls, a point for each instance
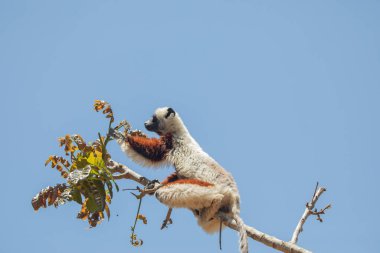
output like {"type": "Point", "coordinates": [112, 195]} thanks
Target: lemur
{"type": "Point", "coordinates": [199, 182]}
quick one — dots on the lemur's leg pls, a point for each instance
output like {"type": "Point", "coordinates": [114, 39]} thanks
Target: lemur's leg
{"type": "Point", "coordinates": [147, 151]}
{"type": "Point", "coordinates": [206, 214]}
{"type": "Point", "coordinates": [192, 194]}
{"type": "Point", "coordinates": [168, 219]}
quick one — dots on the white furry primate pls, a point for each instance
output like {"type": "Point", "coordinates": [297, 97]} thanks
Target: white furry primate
{"type": "Point", "coordinates": [199, 182]}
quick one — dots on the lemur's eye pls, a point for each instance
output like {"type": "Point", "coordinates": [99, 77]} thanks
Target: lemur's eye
{"type": "Point", "coordinates": [154, 119]}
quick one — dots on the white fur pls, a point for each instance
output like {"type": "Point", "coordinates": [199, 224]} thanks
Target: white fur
{"type": "Point", "coordinates": [191, 162]}
{"type": "Point", "coordinates": [181, 195]}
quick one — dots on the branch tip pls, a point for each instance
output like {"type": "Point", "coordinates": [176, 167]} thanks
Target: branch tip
{"type": "Point", "coordinates": [318, 191]}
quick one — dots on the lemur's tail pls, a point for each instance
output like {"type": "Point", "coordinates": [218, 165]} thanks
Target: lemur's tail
{"type": "Point", "coordinates": [243, 239]}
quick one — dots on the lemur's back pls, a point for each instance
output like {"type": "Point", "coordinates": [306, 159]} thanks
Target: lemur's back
{"type": "Point", "coordinates": [187, 155]}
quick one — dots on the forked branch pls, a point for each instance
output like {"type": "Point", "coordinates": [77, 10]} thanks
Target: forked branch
{"type": "Point", "coordinates": [309, 211]}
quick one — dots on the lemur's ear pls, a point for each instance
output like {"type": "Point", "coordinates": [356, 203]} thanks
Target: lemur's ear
{"type": "Point", "coordinates": [170, 111]}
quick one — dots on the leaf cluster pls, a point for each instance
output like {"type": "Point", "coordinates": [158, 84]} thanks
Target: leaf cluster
{"type": "Point", "coordinates": [101, 105]}
{"type": "Point", "coordinates": [88, 180]}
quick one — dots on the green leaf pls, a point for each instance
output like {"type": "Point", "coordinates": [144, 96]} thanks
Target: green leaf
{"type": "Point", "coordinates": [96, 161]}
{"type": "Point", "coordinates": [76, 196]}
{"type": "Point", "coordinates": [94, 191]}
{"type": "Point", "coordinates": [109, 186]}
{"type": "Point", "coordinates": [80, 162]}
{"type": "Point", "coordinates": [116, 186]}
{"type": "Point", "coordinates": [92, 205]}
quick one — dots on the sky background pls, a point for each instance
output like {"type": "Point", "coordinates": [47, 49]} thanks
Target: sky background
{"type": "Point", "coordinates": [281, 93]}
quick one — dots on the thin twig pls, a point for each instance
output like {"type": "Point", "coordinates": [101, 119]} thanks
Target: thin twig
{"type": "Point", "coordinates": [309, 210]}
{"type": "Point", "coordinates": [108, 133]}
{"type": "Point", "coordinates": [133, 235]}
{"type": "Point", "coordinates": [315, 190]}
{"type": "Point", "coordinates": [320, 212]}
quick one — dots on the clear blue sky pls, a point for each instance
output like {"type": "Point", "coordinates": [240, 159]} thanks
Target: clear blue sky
{"type": "Point", "coordinates": [282, 93]}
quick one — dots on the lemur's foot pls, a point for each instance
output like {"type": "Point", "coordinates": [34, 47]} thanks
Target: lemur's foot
{"type": "Point", "coordinates": [167, 220]}
{"type": "Point", "coordinates": [166, 223]}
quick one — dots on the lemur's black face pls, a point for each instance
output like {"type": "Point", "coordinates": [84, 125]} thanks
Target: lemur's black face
{"type": "Point", "coordinates": [152, 124]}
{"type": "Point", "coordinates": [158, 123]}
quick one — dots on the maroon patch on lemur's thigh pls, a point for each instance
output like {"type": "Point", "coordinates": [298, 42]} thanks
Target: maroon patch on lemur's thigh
{"type": "Point", "coordinates": [171, 178]}
{"type": "Point", "coordinates": [191, 181]}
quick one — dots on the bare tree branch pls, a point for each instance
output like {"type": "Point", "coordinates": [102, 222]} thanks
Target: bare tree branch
{"type": "Point", "coordinates": [309, 211]}
{"type": "Point", "coordinates": [266, 239]}
{"type": "Point", "coordinates": [121, 171]}
{"type": "Point", "coordinates": [125, 173]}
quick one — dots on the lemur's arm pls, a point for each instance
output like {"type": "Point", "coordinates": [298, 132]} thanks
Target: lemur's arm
{"type": "Point", "coordinates": [151, 148]}
{"type": "Point", "coordinates": [147, 151]}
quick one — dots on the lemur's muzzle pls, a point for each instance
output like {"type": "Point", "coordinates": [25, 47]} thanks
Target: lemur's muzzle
{"type": "Point", "coordinates": [151, 126]}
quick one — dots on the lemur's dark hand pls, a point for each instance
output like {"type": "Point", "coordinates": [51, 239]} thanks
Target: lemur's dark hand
{"type": "Point", "coordinates": [152, 184]}
{"type": "Point", "coordinates": [116, 134]}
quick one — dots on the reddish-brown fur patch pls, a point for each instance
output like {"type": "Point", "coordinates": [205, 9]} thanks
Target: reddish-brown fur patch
{"type": "Point", "coordinates": [147, 142]}
{"type": "Point", "coordinates": [171, 178]}
{"type": "Point", "coordinates": [191, 181]}
{"type": "Point", "coordinates": [151, 148]}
